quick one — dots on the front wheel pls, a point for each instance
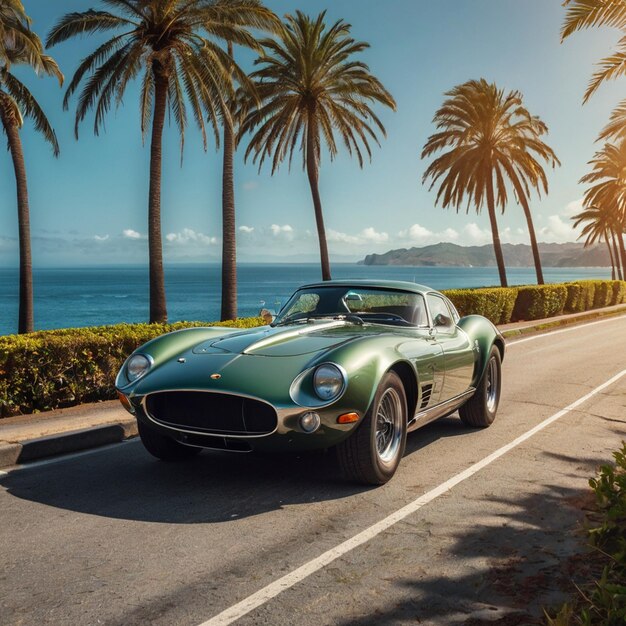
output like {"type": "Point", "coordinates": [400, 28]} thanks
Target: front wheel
{"type": "Point", "coordinates": [480, 410]}
{"type": "Point", "coordinates": [163, 447]}
{"type": "Point", "coordinates": [372, 453]}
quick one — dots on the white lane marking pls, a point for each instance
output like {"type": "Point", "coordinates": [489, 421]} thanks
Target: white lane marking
{"type": "Point", "coordinates": [563, 330]}
{"type": "Point", "coordinates": [262, 596]}
{"type": "Point", "coordinates": [65, 457]}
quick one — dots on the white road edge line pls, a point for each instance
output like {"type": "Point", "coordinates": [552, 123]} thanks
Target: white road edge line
{"type": "Point", "coordinates": [262, 596]}
{"type": "Point", "coordinates": [563, 330]}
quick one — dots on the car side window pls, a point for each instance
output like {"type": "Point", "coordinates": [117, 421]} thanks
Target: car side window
{"type": "Point", "coordinates": [440, 313]}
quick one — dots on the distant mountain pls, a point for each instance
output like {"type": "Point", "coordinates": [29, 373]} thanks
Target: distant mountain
{"type": "Point", "coordinates": [515, 255]}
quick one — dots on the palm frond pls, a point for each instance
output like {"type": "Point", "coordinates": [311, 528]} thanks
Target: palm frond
{"type": "Point", "coordinates": [90, 21]}
{"type": "Point", "coordinates": [30, 108]}
{"type": "Point", "coordinates": [583, 14]}
{"type": "Point", "coordinates": [610, 68]}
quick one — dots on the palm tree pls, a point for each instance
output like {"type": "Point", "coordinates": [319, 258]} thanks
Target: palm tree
{"type": "Point", "coordinates": [489, 139]}
{"type": "Point", "coordinates": [608, 188]}
{"type": "Point", "coordinates": [599, 225]}
{"type": "Point", "coordinates": [229, 231]}
{"type": "Point", "coordinates": [583, 14]}
{"type": "Point", "coordinates": [21, 46]}
{"type": "Point", "coordinates": [313, 92]}
{"type": "Point", "coordinates": [172, 44]}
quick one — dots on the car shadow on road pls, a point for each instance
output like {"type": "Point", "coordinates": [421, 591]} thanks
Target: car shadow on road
{"type": "Point", "coordinates": [125, 482]}
{"type": "Point", "coordinates": [525, 555]}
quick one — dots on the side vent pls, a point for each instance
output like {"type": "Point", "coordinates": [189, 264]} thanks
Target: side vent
{"type": "Point", "coordinates": [426, 392]}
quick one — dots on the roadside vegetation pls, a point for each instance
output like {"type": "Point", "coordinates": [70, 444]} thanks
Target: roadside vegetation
{"type": "Point", "coordinates": [58, 368]}
{"type": "Point", "coordinates": [602, 602]}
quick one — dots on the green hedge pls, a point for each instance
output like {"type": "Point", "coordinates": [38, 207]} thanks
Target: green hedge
{"type": "Point", "coordinates": [495, 303]}
{"type": "Point", "coordinates": [59, 368]}
{"type": "Point", "coordinates": [539, 301]}
{"type": "Point", "coordinates": [532, 302]}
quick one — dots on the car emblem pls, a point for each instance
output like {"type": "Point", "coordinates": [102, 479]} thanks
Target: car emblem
{"type": "Point", "coordinates": [216, 376]}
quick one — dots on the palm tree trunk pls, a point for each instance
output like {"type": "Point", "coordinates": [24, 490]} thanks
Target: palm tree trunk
{"type": "Point", "coordinates": [608, 245]}
{"type": "Point", "coordinates": [25, 317]}
{"type": "Point", "coordinates": [229, 236]}
{"type": "Point", "coordinates": [533, 244]}
{"type": "Point", "coordinates": [313, 174]}
{"type": "Point", "coordinates": [622, 250]}
{"type": "Point", "coordinates": [615, 256]}
{"type": "Point", "coordinates": [158, 308]}
{"type": "Point", "coordinates": [497, 246]}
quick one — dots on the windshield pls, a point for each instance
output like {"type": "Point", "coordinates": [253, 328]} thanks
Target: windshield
{"type": "Point", "coordinates": [380, 306]}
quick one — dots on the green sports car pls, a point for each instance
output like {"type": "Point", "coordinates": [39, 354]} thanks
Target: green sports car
{"type": "Point", "coordinates": [349, 365]}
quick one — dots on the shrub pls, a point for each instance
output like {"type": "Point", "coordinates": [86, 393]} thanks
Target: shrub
{"type": "Point", "coordinates": [52, 369]}
{"type": "Point", "coordinates": [619, 292]}
{"type": "Point", "coordinates": [603, 602]}
{"type": "Point", "coordinates": [496, 304]}
{"type": "Point", "coordinates": [603, 294]}
{"type": "Point", "coordinates": [539, 301]}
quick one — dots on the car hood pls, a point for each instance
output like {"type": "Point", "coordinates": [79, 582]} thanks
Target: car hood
{"type": "Point", "coordinates": [282, 341]}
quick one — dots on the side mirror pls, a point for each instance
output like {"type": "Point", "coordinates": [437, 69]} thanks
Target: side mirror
{"type": "Point", "coordinates": [442, 320]}
{"type": "Point", "coordinates": [351, 296]}
{"type": "Point", "coordinates": [267, 315]}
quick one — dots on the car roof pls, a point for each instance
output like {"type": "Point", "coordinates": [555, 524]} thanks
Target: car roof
{"type": "Point", "coordinates": [399, 285]}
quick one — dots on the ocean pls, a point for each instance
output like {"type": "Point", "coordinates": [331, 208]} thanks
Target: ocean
{"type": "Point", "coordinates": [73, 297]}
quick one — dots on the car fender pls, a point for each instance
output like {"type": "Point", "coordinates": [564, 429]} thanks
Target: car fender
{"type": "Point", "coordinates": [366, 361]}
{"type": "Point", "coordinates": [483, 336]}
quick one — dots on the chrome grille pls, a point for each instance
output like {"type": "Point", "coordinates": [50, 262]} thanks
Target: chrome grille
{"type": "Point", "coordinates": [215, 413]}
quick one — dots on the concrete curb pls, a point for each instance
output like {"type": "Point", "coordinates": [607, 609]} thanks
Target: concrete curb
{"type": "Point", "coordinates": [558, 322]}
{"type": "Point", "coordinates": [65, 443]}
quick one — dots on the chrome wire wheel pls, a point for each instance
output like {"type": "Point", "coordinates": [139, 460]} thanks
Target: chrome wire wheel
{"type": "Point", "coordinates": [493, 385]}
{"type": "Point", "coordinates": [389, 426]}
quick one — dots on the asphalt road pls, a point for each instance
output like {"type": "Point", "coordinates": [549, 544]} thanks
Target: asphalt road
{"type": "Point", "coordinates": [115, 537]}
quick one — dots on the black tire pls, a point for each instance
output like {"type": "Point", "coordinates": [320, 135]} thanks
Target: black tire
{"type": "Point", "coordinates": [480, 410]}
{"type": "Point", "coordinates": [163, 447]}
{"type": "Point", "coordinates": [372, 454]}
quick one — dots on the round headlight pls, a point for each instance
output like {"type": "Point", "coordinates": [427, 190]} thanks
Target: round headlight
{"type": "Point", "coordinates": [137, 366]}
{"type": "Point", "coordinates": [328, 381]}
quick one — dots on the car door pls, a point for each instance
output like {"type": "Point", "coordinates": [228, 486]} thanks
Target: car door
{"type": "Point", "coordinates": [458, 353]}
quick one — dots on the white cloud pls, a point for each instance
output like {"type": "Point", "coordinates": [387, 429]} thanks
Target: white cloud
{"type": "Point", "coordinates": [368, 235]}
{"type": "Point", "coordinates": [190, 236]}
{"type": "Point", "coordinates": [100, 238]}
{"type": "Point", "coordinates": [285, 231]}
{"type": "Point", "coordinates": [572, 208]}
{"type": "Point", "coordinates": [129, 233]}
{"type": "Point", "coordinates": [371, 235]}
{"type": "Point", "coordinates": [251, 185]}
{"type": "Point", "coordinates": [420, 235]}
{"type": "Point", "coordinates": [476, 234]}
{"type": "Point", "coordinates": [558, 231]}
{"type": "Point", "coordinates": [246, 229]}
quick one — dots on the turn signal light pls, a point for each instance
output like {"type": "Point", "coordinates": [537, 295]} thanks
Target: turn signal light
{"type": "Point", "coordinates": [125, 402]}
{"type": "Point", "coordinates": [348, 418]}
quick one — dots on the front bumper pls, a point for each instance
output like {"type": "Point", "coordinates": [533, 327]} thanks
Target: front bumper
{"type": "Point", "coordinates": [286, 436]}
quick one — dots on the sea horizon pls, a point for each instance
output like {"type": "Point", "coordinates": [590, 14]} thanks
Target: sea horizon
{"type": "Point", "coordinates": [69, 297]}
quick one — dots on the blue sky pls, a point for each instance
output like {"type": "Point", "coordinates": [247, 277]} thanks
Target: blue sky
{"type": "Point", "coordinates": [90, 205]}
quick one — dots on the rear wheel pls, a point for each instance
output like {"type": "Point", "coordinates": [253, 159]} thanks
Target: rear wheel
{"type": "Point", "coordinates": [373, 452]}
{"type": "Point", "coordinates": [480, 410]}
{"type": "Point", "coordinates": [163, 447]}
